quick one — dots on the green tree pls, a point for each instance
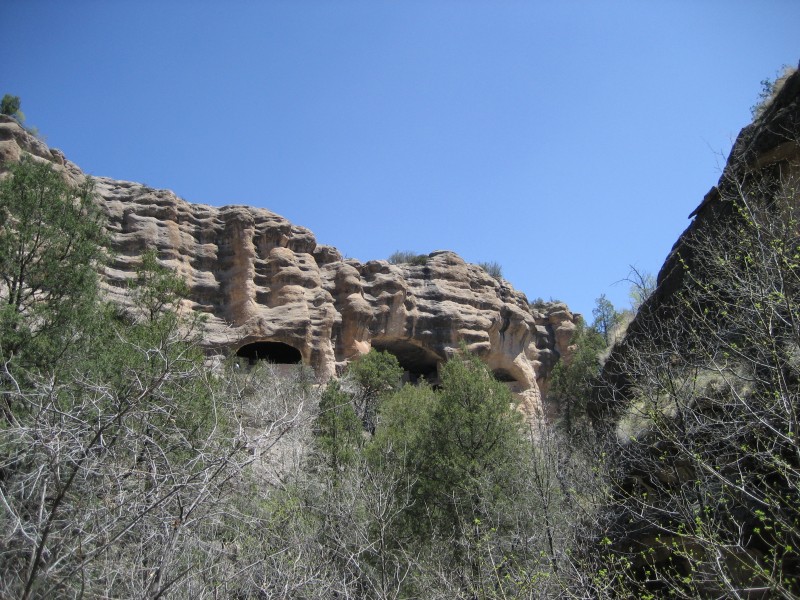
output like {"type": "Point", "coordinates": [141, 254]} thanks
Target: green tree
{"type": "Point", "coordinates": [114, 470]}
{"type": "Point", "coordinates": [468, 458]}
{"type": "Point", "coordinates": [51, 237]}
{"type": "Point", "coordinates": [156, 288]}
{"type": "Point", "coordinates": [404, 257]}
{"type": "Point", "coordinates": [338, 429]}
{"type": "Point", "coordinates": [493, 268]}
{"type": "Point", "coordinates": [572, 383]}
{"type": "Point", "coordinates": [116, 446]}
{"type": "Point", "coordinates": [404, 419]}
{"type": "Point", "coordinates": [606, 319]}
{"type": "Point", "coordinates": [377, 374]}
{"type": "Point", "coordinates": [573, 380]}
{"type": "Point", "coordinates": [461, 461]}
{"type": "Point", "coordinates": [9, 105]}
{"type": "Point", "coordinates": [769, 88]}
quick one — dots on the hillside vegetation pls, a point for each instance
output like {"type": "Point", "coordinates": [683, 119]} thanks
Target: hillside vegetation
{"type": "Point", "coordinates": [130, 467]}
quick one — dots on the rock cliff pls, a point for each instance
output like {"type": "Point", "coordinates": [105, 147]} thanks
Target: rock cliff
{"type": "Point", "coordinates": [698, 402]}
{"type": "Point", "coordinates": [269, 290]}
{"type": "Point", "coordinates": [767, 150]}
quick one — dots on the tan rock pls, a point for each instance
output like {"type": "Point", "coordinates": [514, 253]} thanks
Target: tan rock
{"type": "Point", "coordinates": [259, 278]}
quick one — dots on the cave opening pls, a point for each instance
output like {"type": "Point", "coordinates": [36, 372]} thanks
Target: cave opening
{"type": "Point", "coordinates": [417, 363]}
{"type": "Point", "coordinates": [274, 352]}
{"type": "Point", "coordinates": [504, 376]}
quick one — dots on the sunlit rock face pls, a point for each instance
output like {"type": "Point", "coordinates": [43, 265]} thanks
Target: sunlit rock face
{"type": "Point", "coordinates": [269, 291]}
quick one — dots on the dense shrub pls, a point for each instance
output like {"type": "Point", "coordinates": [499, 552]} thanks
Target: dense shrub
{"type": "Point", "coordinates": [9, 105]}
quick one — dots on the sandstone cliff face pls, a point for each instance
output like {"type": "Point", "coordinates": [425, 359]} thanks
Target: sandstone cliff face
{"type": "Point", "coordinates": [260, 279]}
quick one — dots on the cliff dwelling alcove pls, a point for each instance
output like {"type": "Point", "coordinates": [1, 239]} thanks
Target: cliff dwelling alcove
{"type": "Point", "coordinates": [274, 352]}
{"type": "Point", "coordinates": [504, 376]}
{"type": "Point", "coordinates": [415, 361]}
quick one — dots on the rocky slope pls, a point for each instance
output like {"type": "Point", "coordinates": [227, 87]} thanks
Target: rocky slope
{"type": "Point", "coordinates": [269, 290]}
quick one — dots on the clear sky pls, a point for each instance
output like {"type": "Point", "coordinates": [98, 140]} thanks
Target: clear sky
{"type": "Point", "coordinates": [564, 140]}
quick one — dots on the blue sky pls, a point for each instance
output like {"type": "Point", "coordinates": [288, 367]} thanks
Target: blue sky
{"type": "Point", "coordinates": [564, 140]}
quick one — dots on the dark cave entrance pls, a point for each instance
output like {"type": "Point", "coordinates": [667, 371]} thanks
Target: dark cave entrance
{"type": "Point", "coordinates": [275, 352]}
{"type": "Point", "coordinates": [504, 376]}
{"type": "Point", "coordinates": [417, 362]}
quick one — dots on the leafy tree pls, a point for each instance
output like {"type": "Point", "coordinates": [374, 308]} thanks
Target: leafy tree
{"type": "Point", "coordinates": [51, 237]}
{"type": "Point", "coordinates": [117, 451]}
{"type": "Point", "coordinates": [452, 458]}
{"type": "Point", "coordinates": [338, 429]}
{"type": "Point", "coordinates": [493, 268]}
{"type": "Point", "coordinates": [404, 418]}
{"type": "Point", "coordinates": [377, 373]}
{"type": "Point", "coordinates": [156, 288]}
{"type": "Point", "coordinates": [126, 457]}
{"type": "Point", "coordinates": [769, 88]}
{"type": "Point", "coordinates": [401, 257]}
{"type": "Point", "coordinates": [9, 105]}
{"type": "Point", "coordinates": [606, 319]}
{"type": "Point", "coordinates": [468, 454]}
{"type": "Point", "coordinates": [572, 383]}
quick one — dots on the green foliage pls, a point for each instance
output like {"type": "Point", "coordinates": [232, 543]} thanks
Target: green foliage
{"type": "Point", "coordinates": [156, 287]}
{"type": "Point", "coordinates": [124, 435]}
{"type": "Point", "coordinates": [606, 319]}
{"type": "Point", "coordinates": [404, 419]}
{"type": "Point", "coordinates": [764, 94]}
{"type": "Point", "coordinates": [492, 268]}
{"type": "Point", "coordinates": [377, 374]}
{"type": "Point", "coordinates": [9, 105]}
{"type": "Point", "coordinates": [571, 385]}
{"type": "Point", "coordinates": [338, 429]}
{"type": "Point", "coordinates": [538, 302]}
{"type": "Point", "coordinates": [401, 257]}
{"type": "Point", "coordinates": [473, 486]}
{"type": "Point", "coordinates": [50, 246]}
{"type": "Point", "coordinates": [475, 417]}
{"type": "Point", "coordinates": [468, 452]}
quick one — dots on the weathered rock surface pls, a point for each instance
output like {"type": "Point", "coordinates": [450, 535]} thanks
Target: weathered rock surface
{"type": "Point", "coordinates": [259, 278]}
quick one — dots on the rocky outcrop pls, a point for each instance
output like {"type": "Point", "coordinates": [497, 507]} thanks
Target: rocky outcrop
{"type": "Point", "coordinates": [766, 150]}
{"type": "Point", "coordinates": [269, 290]}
